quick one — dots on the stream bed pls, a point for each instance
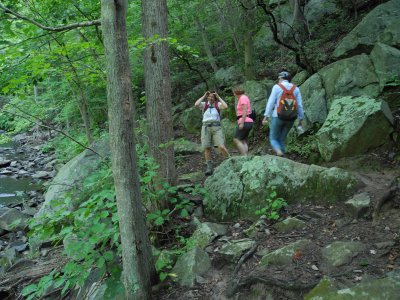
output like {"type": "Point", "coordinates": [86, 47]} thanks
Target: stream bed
{"type": "Point", "coordinates": [15, 182]}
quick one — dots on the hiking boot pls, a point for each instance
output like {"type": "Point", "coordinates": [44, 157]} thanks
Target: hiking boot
{"type": "Point", "coordinates": [209, 169]}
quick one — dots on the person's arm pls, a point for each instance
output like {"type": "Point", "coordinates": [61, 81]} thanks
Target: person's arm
{"type": "Point", "coordinates": [270, 104]}
{"type": "Point", "coordinates": [201, 99]}
{"type": "Point", "coordinates": [223, 104]}
{"type": "Point", "coordinates": [244, 115]}
{"type": "Point", "coordinates": [300, 110]}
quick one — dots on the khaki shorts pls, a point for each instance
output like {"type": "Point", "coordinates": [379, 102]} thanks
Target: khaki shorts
{"type": "Point", "coordinates": [211, 136]}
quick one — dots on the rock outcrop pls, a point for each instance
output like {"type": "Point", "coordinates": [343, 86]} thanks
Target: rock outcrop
{"type": "Point", "coordinates": [241, 185]}
{"type": "Point", "coordinates": [353, 126]}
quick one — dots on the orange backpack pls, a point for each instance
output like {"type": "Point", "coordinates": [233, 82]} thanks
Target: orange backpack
{"type": "Point", "coordinates": [287, 106]}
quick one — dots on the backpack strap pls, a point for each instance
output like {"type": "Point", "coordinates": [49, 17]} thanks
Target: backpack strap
{"type": "Point", "coordinates": [207, 105]}
{"type": "Point", "coordinates": [217, 107]}
{"type": "Point", "coordinates": [285, 89]}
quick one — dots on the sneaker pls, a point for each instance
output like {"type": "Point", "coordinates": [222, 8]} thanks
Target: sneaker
{"type": "Point", "coordinates": [279, 152]}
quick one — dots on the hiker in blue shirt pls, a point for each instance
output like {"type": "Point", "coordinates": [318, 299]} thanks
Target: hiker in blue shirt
{"type": "Point", "coordinates": [275, 110]}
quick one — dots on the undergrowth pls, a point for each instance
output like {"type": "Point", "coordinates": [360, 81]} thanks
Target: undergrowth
{"type": "Point", "coordinates": [87, 226]}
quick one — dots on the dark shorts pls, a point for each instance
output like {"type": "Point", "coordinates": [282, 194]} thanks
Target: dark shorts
{"type": "Point", "coordinates": [244, 133]}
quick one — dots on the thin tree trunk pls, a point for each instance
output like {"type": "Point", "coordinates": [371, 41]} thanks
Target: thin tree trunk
{"type": "Point", "coordinates": [136, 251]}
{"type": "Point", "coordinates": [300, 27]}
{"type": "Point", "coordinates": [35, 93]}
{"type": "Point", "coordinates": [206, 44]}
{"type": "Point", "coordinates": [249, 57]}
{"type": "Point", "coordinates": [248, 50]}
{"type": "Point", "coordinates": [83, 103]}
{"type": "Point", "coordinates": [229, 25]}
{"type": "Point", "coordinates": [158, 88]}
{"type": "Point", "coordinates": [82, 106]}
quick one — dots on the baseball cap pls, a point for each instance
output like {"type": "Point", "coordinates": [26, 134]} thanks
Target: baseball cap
{"type": "Point", "coordinates": [283, 74]}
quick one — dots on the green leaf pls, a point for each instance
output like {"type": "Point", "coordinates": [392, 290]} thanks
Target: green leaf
{"type": "Point", "coordinates": [184, 213]}
{"type": "Point", "coordinates": [100, 262]}
{"type": "Point", "coordinates": [104, 214]}
{"type": "Point", "coordinates": [108, 256]}
{"type": "Point", "coordinates": [29, 289]}
{"type": "Point", "coordinates": [163, 276]}
{"type": "Point", "coordinates": [159, 221]}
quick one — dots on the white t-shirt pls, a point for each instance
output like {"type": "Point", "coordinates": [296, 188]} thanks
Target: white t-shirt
{"type": "Point", "coordinates": [211, 114]}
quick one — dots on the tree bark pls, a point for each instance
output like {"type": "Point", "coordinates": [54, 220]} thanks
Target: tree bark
{"type": "Point", "coordinates": [248, 51]}
{"type": "Point", "coordinates": [158, 87]}
{"type": "Point", "coordinates": [249, 71]}
{"type": "Point", "coordinates": [300, 26]}
{"type": "Point", "coordinates": [136, 251]}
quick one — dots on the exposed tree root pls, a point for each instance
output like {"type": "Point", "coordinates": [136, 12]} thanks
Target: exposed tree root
{"type": "Point", "coordinates": [237, 285]}
{"type": "Point", "coordinates": [387, 195]}
{"type": "Point", "coordinates": [244, 258]}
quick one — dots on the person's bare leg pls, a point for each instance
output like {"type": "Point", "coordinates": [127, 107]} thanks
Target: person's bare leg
{"type": "Point", "coordinates": [224, 152]}
{"type": "Point", "coordinates": [207, 154]}
{"type": "Point", "coordinates": [246, 147]}
{"type": "Point", "coordinates": [240, 147]}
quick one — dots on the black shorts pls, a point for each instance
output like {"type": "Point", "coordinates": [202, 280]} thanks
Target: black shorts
{"type": "Point", "coordinates": [244, 133]}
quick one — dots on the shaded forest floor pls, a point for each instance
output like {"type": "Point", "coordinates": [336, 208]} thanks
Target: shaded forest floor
{"type": "Point", "coordinates": [325, 224]}
{"type": "Point", "coordinates": [379, 230]}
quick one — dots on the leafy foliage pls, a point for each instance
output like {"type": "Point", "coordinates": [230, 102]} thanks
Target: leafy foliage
{"type": "Point", "coordinates": [273, 204]}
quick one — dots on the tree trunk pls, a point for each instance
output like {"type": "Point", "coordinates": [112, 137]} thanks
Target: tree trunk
{"type": "Point", "coordinates": [206, 44]}
{"type": "Point", "coordinates": [230, 22]}
{"type": "Point", "coordinates": [300, 25]}
{"type": "Point", "coordinates": [158, 87]}
{"type": "Point", "coordinates": [136, 251]}
{"type": "Point", "coordinates": [251, 29]}
{"type": "Point", "coordinates": [249, 57]}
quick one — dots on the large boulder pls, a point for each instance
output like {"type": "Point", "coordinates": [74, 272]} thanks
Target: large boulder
{"type": "Point", "coordinates": [229, 76]}
{"type": "Point", "coordinates": [241, 185]}
{"type": "Point", "coordinates": [383, 288]}
{"type": "Point", "coordinates": [386, 60]}
{"type": "Point", "coordinates": [353, 76]}
{"type": "Point", "coordinates": [191, 119]}
{"type": "Point", "coordinates": [381, 24]}
{"type": "Point", "coordinates": [71, 176]}
{"type": "Point", "coordinates": [258, 92]}
{"type": "Point", "coordinates": [354, 126]}
{"type": "Point", "coordinates": [229, 129]}
{"type": "Point", "coordinates": [316, 10]}
{"type": "Point", "coordinates": [314, 100]}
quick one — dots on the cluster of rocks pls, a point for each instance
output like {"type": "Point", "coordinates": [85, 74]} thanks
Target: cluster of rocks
{"type": "Point", "coordinates": [217, 246]}
{"type": "Point", "coordinates": [26, 169]}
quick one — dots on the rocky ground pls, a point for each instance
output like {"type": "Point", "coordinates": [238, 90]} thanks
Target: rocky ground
{"type": "Point", "coordinates": [375, 229]}
{"type": "Point", "coordinates": [375, 233]}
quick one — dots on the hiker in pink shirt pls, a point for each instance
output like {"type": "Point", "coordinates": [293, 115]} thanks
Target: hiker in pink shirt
{"type": "Point", "coordinates": [245, 123]}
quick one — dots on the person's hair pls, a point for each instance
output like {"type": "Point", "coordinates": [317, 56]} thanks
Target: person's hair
{"type": "Point", "coordinates": [284, 74]}
{"type": "Point", "coordinates": [213, 94]}
{"type": "Point", "coordinates": [238, 90]}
